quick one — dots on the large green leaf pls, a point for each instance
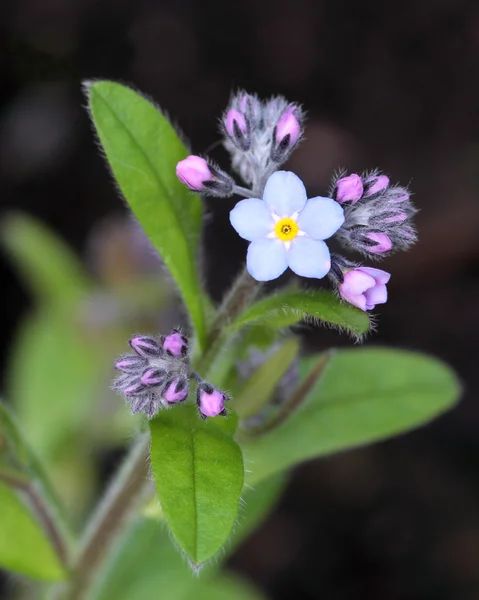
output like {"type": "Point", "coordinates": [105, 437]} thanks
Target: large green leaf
{"type": "Point", "coordinates": [363, 395]}
{"type": "Point", "coordinates": [24, 547]}
{"type": "Point", "coordinates": [199, 474]}
{"type": "Point", "coordinates": [290, 307]}
{"type": "Point", "coordinates": [143, 149]}
{"type": "Point", "coordinates": [48, 266]}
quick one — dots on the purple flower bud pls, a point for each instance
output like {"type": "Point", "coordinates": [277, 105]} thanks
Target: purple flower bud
{"type": "Point", "coordinates": [194, 171]}
{"type": "Point", "coordinates": [383, 243]}
{"type": "Point", "coordinates": [152, 406]}
{"type": "Point", "coordinates": [138, 403]}
{"type": "Point", "coordinates": [250, 107]}
{"type": "Point", "coordinates": [398, 218]}
{"type": "Point", "coordinates": [375, 184]}
{"type": "Point", "coordinates": [130, 363]}
{"type": "Point", "coordinates": [153, 376]}
{"type": "Point", "coordinates": [235, 121]}
{"type": "Point", "coordinates": [288, 127]}
{"type": "Point", "coordinates": [237, 128]}
{"type": "Point", "coordinates": [210, 401]}
{"type": "Point", "coordinates": [123, 381]}
{"type": "Point", "coordinates": [135, 387]}
{"type": "Point", "coordinates": [286, 133]}
{"type": "Point", "coordinates": [175, 344]}
{"type": "Point", "coordinates": [364, 287]}
{"type": "Point", "coordinates": [349, 189]}
{"type": "Point", "coordinates": [176, 391]}
{"type": "Point", "coordinates": [146, 346]}
{"type": "Point", "coordinates": [400, 198]}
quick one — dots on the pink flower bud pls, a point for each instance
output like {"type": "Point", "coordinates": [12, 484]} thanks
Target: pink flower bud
{"type": "Point", "coordinates": [145, 346]}
{"type": "Point", "coordinates": [383, 243]}
{"type": "Point", "coordinates": [235, 120]}
{"type": "Point", "coordinates": [400, 198]}
{"type": "Point", "coordinates": [399, 218]}
{"type": "Point", "coordinates": [153, 376]}
{"type": "Point", "coordinates": [135, 387]}
{"type": "Point", "coordinates": [376, 184]}
{"type": "Point", "coordinates": [288, 125]}
{"type": "Point", "coordinates": [250, 106]}
{"type": "Point", "coordinates": [175, 344]}
{"type": "Point", "coordinates": [349, 189]}
{"type": "Point", "coordinates": [210, 401]}
{"type": "Point", "coordinates": [129, 363]}
{"type": "Point", "coordinates": [193, 171]}
{"type": "Point", "coordinates": [176, 391]}
{"type": "Point", "coordinates": [364, 287]}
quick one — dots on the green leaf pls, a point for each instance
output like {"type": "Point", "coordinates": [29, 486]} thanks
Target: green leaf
{"type": "Point", "coordinates": [143, 149]}
{"type": "Point", "coordinates": [261, 385]}
{"type": "Point", "coordinates": [48, 266]}
{"type": "Point", "coordinates": [52, 375]}
{"type": "Point", "coordinates": [24, 547]}
{"type": "Point", "coordinates": [15, 451]}
{"type": "Point", "coordinates": [145, 565]}
{"type": "Point", "coordinates": [199, 473]}
{"type": "Point", "coordinates": [290, 307]}
{"type": "Point", "coordinates": [363, 395]}
{"type": "Point", "coordinates": [259, 502]}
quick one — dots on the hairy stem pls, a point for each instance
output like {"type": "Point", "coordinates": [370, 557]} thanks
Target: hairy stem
{"type": "Point", "coordinates": [242, 292]}
{"type": "Point", "coordinates": [129, 487]}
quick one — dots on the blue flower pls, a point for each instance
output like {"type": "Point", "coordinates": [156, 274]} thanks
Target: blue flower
{"type": "Point", "coordinates": [286, 229]}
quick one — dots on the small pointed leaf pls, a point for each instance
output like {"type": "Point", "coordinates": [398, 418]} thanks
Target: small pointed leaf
{"type": "Point", "coordinates": [290, 307]}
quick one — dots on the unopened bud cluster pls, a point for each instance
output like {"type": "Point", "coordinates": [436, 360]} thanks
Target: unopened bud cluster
{"type": "Point", "coordinates": [377, 215]}
{"type": "Point", "coordinates": [158, 375]}
{"type": "Point", "coordinates": [260, 136]}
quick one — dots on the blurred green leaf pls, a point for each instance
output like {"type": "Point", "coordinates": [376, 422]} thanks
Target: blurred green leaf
{"type": "Point", "coordinates": [49, 268]}
{"type": "Point", "coordinates": [199, 473]}
{"type": "Point", "coordinates": [260, 386]}
{"type": "Point", "coordinates": [52, 374]}
{"type": "Point", "coordinates": [363, 395]}
{"type": "Point", "coordinates": [143, 149]}
{"type": "Point", "coordinates": [145, 566]}
{"type": "Point", "coordinates": [14, 451]}
{"type": "Point", "coordinates": [258, 502]}
{"type": "Point", "coordinates": [24, 547]}
{"type": "Point", "coordinates": [287, 308]}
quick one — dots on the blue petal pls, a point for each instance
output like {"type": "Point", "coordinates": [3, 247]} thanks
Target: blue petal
{"type": "Point", "coordinates": [266, 259]}
{"type": "Point", "coordinates": [321, 218]}
{"type": "Point", "coordinates": [309, 258]}
{"type": "Point", "coordinates": [252, 219]}
{"type": "Point", "coordinates": [285, 193]}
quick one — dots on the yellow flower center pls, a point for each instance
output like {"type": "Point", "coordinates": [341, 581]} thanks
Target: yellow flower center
{"type": "Point", "coordinates": [286, 229]}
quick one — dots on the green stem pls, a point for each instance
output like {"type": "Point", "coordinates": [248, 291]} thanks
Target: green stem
{"type": "Point", "coordinates": [242, 292]}
{"type": "Point", "coordinates": [129, 487]}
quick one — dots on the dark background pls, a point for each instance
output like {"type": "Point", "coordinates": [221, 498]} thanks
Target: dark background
{"type": "Point", "coordinates": [387, 84]}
